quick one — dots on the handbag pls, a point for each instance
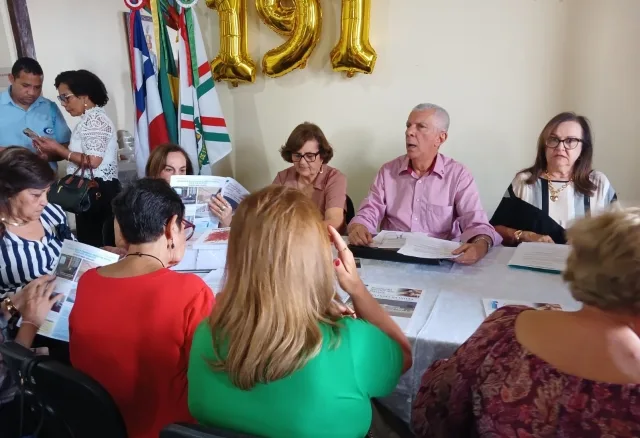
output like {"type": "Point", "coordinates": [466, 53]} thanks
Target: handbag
{"type": "Point", "coordinates": [75, 193]}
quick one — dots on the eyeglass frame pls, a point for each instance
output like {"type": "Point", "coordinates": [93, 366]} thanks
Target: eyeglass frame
{"type": "Point", "coordinates": [315, 157]}
{"type": "Point", "coordinates": [64, 98]}
{"type": "Point", "coordinates": [188, 225]}
{"type": "Point", "coordinates": [563, 142]}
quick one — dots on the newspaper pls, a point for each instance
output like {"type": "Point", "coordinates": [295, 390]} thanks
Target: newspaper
{"type": "Point", "coordinates": [196, 191]}
{"type": "Point", "coordinates": [400, 303]}
{"type": "Point", "coordinates": [218, 238]}
{"type": "Point", "coordinates": [75, 259]}
{"type": "Point", "coordinates": [491, 305]}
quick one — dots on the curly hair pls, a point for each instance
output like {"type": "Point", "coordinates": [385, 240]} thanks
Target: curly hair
{"type": "Point", "coordinates": [84, 83]}
{"type": "Point", "coordinates": [301, 134]}
{"type": "Point", "coordinates": [603, 269]}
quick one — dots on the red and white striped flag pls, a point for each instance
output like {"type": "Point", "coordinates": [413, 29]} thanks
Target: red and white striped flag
{"type": "Point", "coordinates": [151, 126]}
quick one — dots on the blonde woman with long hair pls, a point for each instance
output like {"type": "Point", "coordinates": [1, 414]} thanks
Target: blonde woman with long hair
{"type": "Point", "coordinates": [279, 357]}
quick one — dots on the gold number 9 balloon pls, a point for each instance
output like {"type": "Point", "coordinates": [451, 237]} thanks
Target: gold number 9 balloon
{"type": "Point", "coordinates": [233, 63]}
{"type": "Point", "coordinates": [354, 53]}
{"type": "Point", "coordinates": [304, 34]}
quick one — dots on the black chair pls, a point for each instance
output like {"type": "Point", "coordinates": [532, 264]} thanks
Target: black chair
{"type": "Point", "coordinates": [67, 402]}
{"type": "Point", "coordinates": [351, 211]}
{"type": "Point", "coordinates": [197, 431]}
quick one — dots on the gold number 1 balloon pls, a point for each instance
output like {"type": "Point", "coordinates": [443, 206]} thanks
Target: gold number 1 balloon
{"type": "Point", "coordinates": [233, 63]}
{"type": "Point", "coordinates": [294, 53]}
{"type": "Point", "coordinates": [354, 53]}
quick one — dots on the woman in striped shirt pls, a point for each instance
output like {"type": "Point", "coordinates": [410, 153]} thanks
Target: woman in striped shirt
{"type": "Point", "coordinates": [31, 229]}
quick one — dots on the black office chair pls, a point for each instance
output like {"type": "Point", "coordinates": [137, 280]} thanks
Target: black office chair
{"type": "Point", "coordinates": [351, 211]}
{"type": "Point", "coordinates": [68, 403]}
{"type": "Point", "coordinates": [196, 431]}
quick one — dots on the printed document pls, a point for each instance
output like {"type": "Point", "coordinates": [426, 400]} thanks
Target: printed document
{"type": "Point", "coordinates": [541, 256]}
{"type": "Point", "coordinates": [491, 305]}
{"type": "Point", "coordinates": [217, 238]}
{"type": "Point", "coordinates": [400, 303]}
{"type": "Point", "coordinates": [75, 259]}
{"type": "Point", "coordinates": [389, 239]}
{"type": "Point", "coordinates": [196, 191]}
{"type": "Point", "coordinates": [425, 247]}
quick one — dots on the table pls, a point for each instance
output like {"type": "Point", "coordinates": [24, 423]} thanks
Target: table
{"type": "Point", "coordinates": [450, 307]}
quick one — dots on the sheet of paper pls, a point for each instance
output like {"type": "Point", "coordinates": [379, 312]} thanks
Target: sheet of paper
{"type": "Point", "coordinates": [491, 305]}
{"type": "Point", "coordinates": [423, 246]}
{"type": "Point", "coordinates": [389, 239]}
{"type": "Point", "coordinates": [400, 303]}
{"type": "Point", "coordinates": [196, 191]}
{"type": "Point", "coordinates": [215, 280]}
{"type": "Point", "coordinates": [541, 256]}
{"type": "Point", "coordinates": [75, 259]}
{"type": "Point", "coordinates": [213, 239]}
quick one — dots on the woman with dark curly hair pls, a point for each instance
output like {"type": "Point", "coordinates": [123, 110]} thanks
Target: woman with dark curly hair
{"type": "Point", "coordinates": [93, 143]}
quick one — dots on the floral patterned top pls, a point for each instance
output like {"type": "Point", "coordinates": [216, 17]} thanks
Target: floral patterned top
{"type": "Point", "coordinates": [493, 387]}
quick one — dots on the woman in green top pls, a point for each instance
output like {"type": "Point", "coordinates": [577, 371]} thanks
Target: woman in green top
{"type": "Point", "coordinates": [277, 358]}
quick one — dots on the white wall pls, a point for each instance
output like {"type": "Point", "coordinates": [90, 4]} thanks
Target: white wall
{"type": "Point", "coordinates": [7, 44]}
{"type": "Point", "coordinates": [501, 67]}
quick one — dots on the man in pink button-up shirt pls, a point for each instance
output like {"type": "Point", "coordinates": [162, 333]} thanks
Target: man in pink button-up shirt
{"type": "Point", "coordinates": [427, 192]}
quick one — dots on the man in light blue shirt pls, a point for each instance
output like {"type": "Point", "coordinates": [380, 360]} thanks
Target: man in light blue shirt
{"type": "Point", "coordinates": [22, 106]}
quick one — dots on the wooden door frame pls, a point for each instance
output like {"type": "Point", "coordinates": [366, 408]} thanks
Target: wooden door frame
{"type": "Point", "coordinates": [21, 28]}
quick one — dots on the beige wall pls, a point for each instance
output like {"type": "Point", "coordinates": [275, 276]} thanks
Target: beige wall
{"type": "Point", "coordinates": [7, 45]}
{"type": "Point", "coordinates": [501, 67]}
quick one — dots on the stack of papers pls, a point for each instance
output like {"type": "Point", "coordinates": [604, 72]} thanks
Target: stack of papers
{"type": "Point", "coordinates": [547, 257]}
{"type": "Point", "coordinates": [415, 244]}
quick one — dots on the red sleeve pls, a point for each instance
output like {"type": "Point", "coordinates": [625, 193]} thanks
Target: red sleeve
{"type": "Point", "coordinates": [197, 311]}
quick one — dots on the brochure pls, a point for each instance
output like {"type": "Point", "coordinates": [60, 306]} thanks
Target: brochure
{"type": "Point", "coordinates": [196, 191]}
{"type": "Point", "coordinates": [491, 305]}
{"type": "Point", "coordinates": [399, 302]}
{"type": "Point", "coordinates": [75, 259]}
{"type": "Point", "coordinates": [538, 256]}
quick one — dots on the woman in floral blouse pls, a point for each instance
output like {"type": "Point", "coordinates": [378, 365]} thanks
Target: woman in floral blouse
{"type": "Point", "coordinates": [546, 373]}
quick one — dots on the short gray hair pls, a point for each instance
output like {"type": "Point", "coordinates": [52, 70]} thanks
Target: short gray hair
{"type": "Point", "coordinates": [441, 114]}
{"type": "Point", "coordinates": [603, 269]}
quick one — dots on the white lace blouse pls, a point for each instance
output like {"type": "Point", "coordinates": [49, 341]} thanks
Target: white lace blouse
{"type": "Point", "coordinates": [96, 135]}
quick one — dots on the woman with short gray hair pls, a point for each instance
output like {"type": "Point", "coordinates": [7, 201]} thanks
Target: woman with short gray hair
{"type": "Point", "coordinates": [547, 373]}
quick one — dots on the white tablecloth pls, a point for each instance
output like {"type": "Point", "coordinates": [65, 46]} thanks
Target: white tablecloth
{"type": "Point", "coordinates": [450, 308]}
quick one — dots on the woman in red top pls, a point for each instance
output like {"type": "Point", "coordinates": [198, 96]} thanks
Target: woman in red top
{"type": "Point", "coordinates": [132, 322]}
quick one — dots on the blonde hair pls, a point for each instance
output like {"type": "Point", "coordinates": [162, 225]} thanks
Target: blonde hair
{"type": "Point", "coordinates": [603, 269]}
{"type": "Point", "coordinates": [279, 284]}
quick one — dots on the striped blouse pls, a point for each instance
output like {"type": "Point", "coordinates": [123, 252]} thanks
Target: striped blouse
{"type": "Point", "coordinates": [23, 260]}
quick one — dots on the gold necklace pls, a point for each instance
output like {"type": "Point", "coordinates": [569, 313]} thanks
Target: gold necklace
{"type": "Point", "coordinates": [13, 224]}
{"type": "Point", "coordinates": [554, 193]}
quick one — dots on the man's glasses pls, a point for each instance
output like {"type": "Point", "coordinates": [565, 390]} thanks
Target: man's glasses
{"type": "Point", "coordinates": [64, 98]}
{"type": "Point", "coordinates": [309, 157]}
{"type": "Point", "coordinates": [569, 142]}
{"type": "Point", "coordinates": [189, 228]}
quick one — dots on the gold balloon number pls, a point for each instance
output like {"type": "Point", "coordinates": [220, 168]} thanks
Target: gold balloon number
{"type": "Point", "coordinates": [354, 53]}
{"type": "Point", "coordinates": [306, 24]}
{"type": "Point", "coordinates": [233, 63]}
{"type": "Point", "coordinates": [302, 23]}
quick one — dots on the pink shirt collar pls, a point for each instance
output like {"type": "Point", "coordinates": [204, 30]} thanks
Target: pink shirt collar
{"type": "Point", "coordinates": [437, 166]}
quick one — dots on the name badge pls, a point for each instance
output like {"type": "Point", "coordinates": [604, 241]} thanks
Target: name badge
{"type": "Point", "coordinates": [48, 131]}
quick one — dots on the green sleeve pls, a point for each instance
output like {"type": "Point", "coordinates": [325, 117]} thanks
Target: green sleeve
{"type": "Point", "coordinates": [377, 359]}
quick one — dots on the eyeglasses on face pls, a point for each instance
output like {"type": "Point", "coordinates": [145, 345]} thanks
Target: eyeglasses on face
{"type": "Point", "coordinates": [64, 98]}
{"type": "Point", "coordinates": [189, 228]}
{"type": "Point", "coordinates": [569, 142]}
{"type": "Point", "coordinates": [309, 157]}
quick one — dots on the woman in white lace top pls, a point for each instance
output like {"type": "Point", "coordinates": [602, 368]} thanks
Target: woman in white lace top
{"type": "Point", "coordinates": [94, 139]}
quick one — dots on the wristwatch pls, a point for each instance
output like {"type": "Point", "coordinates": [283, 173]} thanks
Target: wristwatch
{"type": "Point", "coordinates": [517, 235]}
{"type": "Point", "coordinates": [484, 239]}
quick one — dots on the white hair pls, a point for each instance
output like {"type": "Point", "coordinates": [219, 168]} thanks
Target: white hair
{"type": "Point", "coordinates": [441, 114]}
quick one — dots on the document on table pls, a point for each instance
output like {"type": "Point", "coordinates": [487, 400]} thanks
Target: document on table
{"type": "Point", "coordinates": [541, 256]}
{"type": "Point", "coordinates": [215, 280]}
{"type": "Point", "coordinates": [196, 191]}
{"type": "Point", "coordinates": [75, 259]}
{"type": "Point", "coordinates": [491, 305]}
{"type": "Point", "coordinates": [425, 247]}
{"type": "Point", "coordinates": [400, 303]}
{"type": "Point", "coordinates": [389, 239]}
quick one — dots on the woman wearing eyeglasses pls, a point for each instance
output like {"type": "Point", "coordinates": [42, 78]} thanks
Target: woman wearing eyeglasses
{"type": "Point", "coordinates": [93, 140]}
{"type": "Point", "coordinates": [309, 151]}
{"type": "Point", "coordinates": [560, 187]}
{"type": "Point", "coordinates": [132, 322]}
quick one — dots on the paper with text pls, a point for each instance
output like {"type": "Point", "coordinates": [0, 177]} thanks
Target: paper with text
{"type": "Point", "coordinates": [215, 280]}
{"type": "Point", "coordinates": [75, 259]}
{"type": "Point", "coordinates": [389, 239]}
{"type": "Point", "coordinates": [491, 305]}
{"type": "Point", "coordinates": [400, 303]}
{"type": "Point", "coordinates": [541, 256]}
{"type": "Point", "coordinates": [425, 247]}
{"type": "Point", "coordinates": [196, 191]}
